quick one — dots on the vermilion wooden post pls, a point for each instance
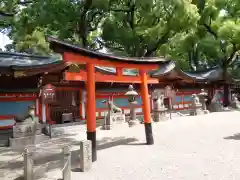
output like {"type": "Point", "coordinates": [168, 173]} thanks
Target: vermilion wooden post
{"type": "Point", "coordinates": [80, 105]}
{"type": "Point", "coordinates": [146, 108]}
{"type": "Point", "coordinates": [91, 108]}
{"type": "Point", "coordinates": [119, 71]}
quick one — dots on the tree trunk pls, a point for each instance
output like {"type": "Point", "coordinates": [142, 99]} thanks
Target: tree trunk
{"type": "Point", "coordinates": [226, 101]}
{"type": "Point", "coordinates": [226, 91]}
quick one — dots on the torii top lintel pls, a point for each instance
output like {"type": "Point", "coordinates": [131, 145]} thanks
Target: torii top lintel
{"type": "Point", "coordinates": [75, 54]}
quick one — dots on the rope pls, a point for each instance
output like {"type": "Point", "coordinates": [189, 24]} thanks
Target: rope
{"type": "Point", "coordinates": [17, 173]}
{"type": "Point", "coordinates": [11, 161]}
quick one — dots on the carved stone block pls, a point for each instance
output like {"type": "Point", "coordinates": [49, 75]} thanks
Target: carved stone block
{"type": "Point", "coordinates": [117, 118]}
{"type": "Point", "coordinates": [85, 155]}
{"type": "Point", "coordinates": [26, 129]}
{"type": "Point", "coordinates": [160, 115]}
{"type": "Point", "coordinates": [132, 123]}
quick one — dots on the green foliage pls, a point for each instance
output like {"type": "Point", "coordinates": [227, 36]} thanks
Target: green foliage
{"type": "Point", "coordinates": [197, 34]}
{"type": "Point", "coordinates": [216, 38]}
{"type": "Point", "coordinates": [75, 21]}
{"type": "Point", "coordinates": [141, 28]}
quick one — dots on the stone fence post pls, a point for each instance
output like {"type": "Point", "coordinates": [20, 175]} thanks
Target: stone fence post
{"type": "Point", "coordinates": [28, 165]}
{"type": "Point", "coordinates": [85, 155]}
{"type": "Point", "coordinates": [66, 172]}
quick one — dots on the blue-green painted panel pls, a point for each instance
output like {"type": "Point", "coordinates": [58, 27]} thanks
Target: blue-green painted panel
{"type": "Point", "coordinates": [15, 108]}
{"type": "Point", "coordinates": [178, 99]}
{"type": "Point", "coordinates": [99, 103]}
{"type": "Point", "coordinates": [139, 100]}
{"type": "Point", "coordinates": [121, 102]}
{"type": "Point", "coordinates": [187, 98]}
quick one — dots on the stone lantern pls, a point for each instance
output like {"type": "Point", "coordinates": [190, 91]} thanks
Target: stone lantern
{"type": "Point", "coordinates": [131, 94]}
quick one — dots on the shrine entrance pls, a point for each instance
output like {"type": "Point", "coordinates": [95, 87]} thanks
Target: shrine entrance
{"type": "Point", "coordinates": [74, 54]}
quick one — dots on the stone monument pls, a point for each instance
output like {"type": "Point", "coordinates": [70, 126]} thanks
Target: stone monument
{"type": "Point", "coordinates": [85, 155]}
{"type": "Point", "coordinates": [160, 111]}
{"type": "Point", "coordinates": [196, 106]}
{"type": "Point", "coordinates": [28, 131]}
{"type": "Point", "coordinates": [114, 115]}
{"type": "Point", "coordinates": [235, 102]}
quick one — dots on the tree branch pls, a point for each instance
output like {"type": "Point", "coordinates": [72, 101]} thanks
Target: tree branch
{"type": "Point", "coordinates": [209, 29]}
{"type": "Point", "coordinates": [24, 2]}
{"type": "Point", "coordinates": [82, 25]}
{"type": "Point", "coordinates": [230, 59]}
{"type": "Point", "coordinates": [103, 44]}
{"type": "Point", "coordinates": [5, 14]}
{"type": "Point", "coordinates": [161, 41]}
{"type": "Point", "coordinates": [120, 10]}
{"type": "Point", "coordinates": [164, 38]}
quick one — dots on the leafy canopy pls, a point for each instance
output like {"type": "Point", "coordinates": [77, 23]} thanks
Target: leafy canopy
{"type": "Point", "coordinates": [140, 28]}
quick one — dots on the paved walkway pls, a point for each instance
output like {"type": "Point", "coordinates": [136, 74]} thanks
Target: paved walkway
{"type": "Point", "coordinates": [186, 148]}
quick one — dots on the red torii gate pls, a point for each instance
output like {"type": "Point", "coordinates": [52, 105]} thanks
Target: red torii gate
{"type": "Point", "coordinates": [79, 55]}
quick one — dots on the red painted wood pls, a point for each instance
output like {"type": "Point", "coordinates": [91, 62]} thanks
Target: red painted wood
{"type": "Point", "coordinates": [82, 76]}
{"type": "Point", "coordinates": [71, 57]}
{"type": "Point", "coordinates": [4, 117]}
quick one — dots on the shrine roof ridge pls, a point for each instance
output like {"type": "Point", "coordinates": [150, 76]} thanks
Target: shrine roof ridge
{"type": "Point", "coordinates": [22, 60]}
{"type": "Point", "coordinates": [60, 46]}
{"type": "Point", "coordinates": [17, 54]}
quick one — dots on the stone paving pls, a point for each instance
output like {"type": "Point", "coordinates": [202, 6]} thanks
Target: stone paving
{"type": "Point", "coordinates": [203, 147]}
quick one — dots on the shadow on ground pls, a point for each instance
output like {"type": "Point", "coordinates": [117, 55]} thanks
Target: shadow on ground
{"type": "Point", "coordinates": [46, 158]}
{"type": "Point", "coordinates": [106, 143]}
{"type": "Point", "coordinates": [233, 137]}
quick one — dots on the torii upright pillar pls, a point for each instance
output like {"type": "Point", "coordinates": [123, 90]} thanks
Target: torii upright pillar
{"type": "Point", "coordinates": [91, 108]}
{"type": "Point", "coordinates": [146, 108]}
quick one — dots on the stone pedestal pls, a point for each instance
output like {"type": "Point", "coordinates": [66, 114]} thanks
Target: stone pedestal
{"type": "Point", "coordinates": [107, 122]}
{"type": "Point", "coordinates": [196, 110]}
{"type": "Point", "coordinates": [206, 112]}
{"type": "Point", "coordinates": [160, 115]}
{"type": "Point", "coordinates": [235, 104]}
{"type": "Point", "coordinates": [26, 134]}
{"type": "Point", "coordinates": [215, 107]}
{"type": "Point", "coordinates": [85, 155]}
{"type": "Point", "coordinates": [113, 118]}
{"type": "Point", "coordinates": [117, 118]}
{"type": "Point", "coordinates": [133, 122]}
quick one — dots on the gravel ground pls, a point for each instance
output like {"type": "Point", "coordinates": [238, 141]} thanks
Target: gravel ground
{"type": "Point", "coordinates": [186, 148]}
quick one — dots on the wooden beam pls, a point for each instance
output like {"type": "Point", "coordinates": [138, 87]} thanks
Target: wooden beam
{"type": "Point", "coordinates": [76, 58]}
{"type": "Point", "coordinates": [119, 71]}
{"type": "Point", "coordinates": [82, 76]}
